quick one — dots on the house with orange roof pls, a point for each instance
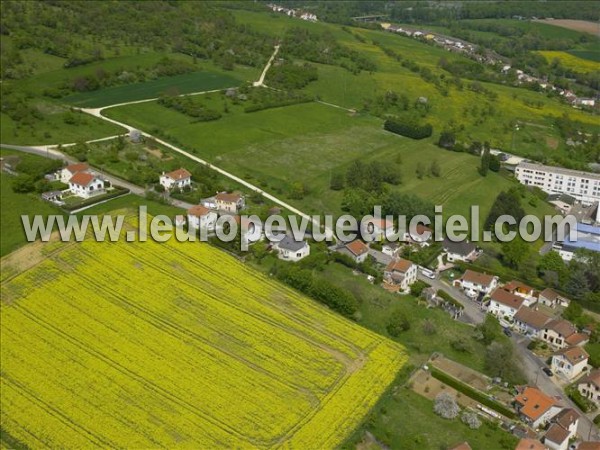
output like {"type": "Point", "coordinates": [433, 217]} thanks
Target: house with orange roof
{"type": "Point", "coordinates": [589, 386]}
{"type": "Point", "coordinates": [503, 304]}
{"type": "Point", "coordinates": [380, 228]}
{"type": "Point", "coordinates": [530, 444]}
{"type": "Point", "coordinates": [400, 272]}
{"type": "Point", "coordinates": [177, 179]}
{"type": "Point", "coordinates": [569, 361]}
{"type": "Point", "coordinates": [421, 234]}
{"type": "Point", "coordinates": [66, 173]}
{"type": "Point", "coordinates": [86, 185]}
{"type": "Point", "coordinates": [461, 446]}
{"type": "Point", "coordinates": [201, 218]}
{"type": "Point", "coordinates": [476, 283]}
{"type": "Point", "coordinates": [229, 202]}
{"type": "Point", "coordinates": [522, 290]}
{"type": "Point", "coordinates": [357, 250]}
{"type": "Point", "coordinates": [534, 407]}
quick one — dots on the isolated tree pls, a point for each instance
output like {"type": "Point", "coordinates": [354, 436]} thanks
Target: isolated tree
{"type": "Point", "coordinates": [494, 163]}
{"type": "Point", "coordinates": [485, 163]}
{"type": "Point", "coordinates": [471, 419]}
{"type": "Point", "coordinates": [398, 323]}
{"type": "Point", "coordinates": [445, 406]}
{"type": "Point", "coordinates": [515, 252]}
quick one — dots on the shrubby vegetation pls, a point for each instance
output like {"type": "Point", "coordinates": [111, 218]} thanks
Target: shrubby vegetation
{"type": "Point", "coordinates": [318, 288]}
{"type": "Point", "coordinates": [409, 128]}
{"type": "Point", "coordinates": [291, 76]}
{"type": "Point", "coordinates": [323, 48]}
{"type": "Point", "coordinates": [189, 105]}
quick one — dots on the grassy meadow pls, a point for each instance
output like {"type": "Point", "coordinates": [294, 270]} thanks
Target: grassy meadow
{"type": "Point", "coordinates": [306, 143]}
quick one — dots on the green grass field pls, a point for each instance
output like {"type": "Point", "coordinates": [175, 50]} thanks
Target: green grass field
{"type": "Point", "coordinates": [181, 84]}
{"type": "Point", "coordinates": [14, 205]}
{"type": "Point", "coordinates": [404, 419]}
{"type": "Point", "coordinates": [53, 129]}
{"type": "Point", "coordinates": [306, 143]}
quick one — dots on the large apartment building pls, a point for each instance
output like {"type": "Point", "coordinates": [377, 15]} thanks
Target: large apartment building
{"type": "Point", "coordinates": [584, 186]}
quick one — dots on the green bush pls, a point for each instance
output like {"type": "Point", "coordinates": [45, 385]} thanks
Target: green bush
{"type": "Point", "coordinates": [409, 128]}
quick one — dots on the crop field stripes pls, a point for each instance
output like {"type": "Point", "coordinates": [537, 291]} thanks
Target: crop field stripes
{"type": "Point", "coordinates": [183, 346]}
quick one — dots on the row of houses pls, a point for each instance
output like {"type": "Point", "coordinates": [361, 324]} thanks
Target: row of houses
{"type": "Point", "coordinates": [290, 12]}
{"type": "Point", "coordinates": [517, 305]}
{"type": "Point", "coordinates": [205, 215]}
{"type": "Point", "coordinates": [539, 410]}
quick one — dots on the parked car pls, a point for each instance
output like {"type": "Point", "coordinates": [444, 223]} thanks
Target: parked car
{"type": "Point", "coordinates": [507, 332]}
{"type": "Point", "coordinates": [547, 371]}
{"type": "Point", "coordinates": [428, 273]}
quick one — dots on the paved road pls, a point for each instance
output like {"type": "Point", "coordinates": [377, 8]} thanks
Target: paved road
{"type": "Point", "coordinates": [532, 366]}
{"type": "Point", "coordinates": [472, 313]}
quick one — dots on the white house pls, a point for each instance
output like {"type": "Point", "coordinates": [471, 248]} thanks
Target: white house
{"type": "Point", "coordinates": [291, 250]}
{"type": "Point", "coordinates": [66, 173]}
{"type": "Point", "coordinates": [503, 304]}
{"type": "Point", "coordinates": [570, 361]}
{"type": "Point", "coordinates": [210, 203]}
{"type": "Point", "coordinates": [530, 322]}
{"type": "Point", "coordinates": [200, 217]}
{"type": "Point", "coordinates": [357, 250]}
{"type": "Point", "coordinates": [85, 184]}
{"type": "Point", "coordinates": [589, 386]}
{"type": "Point", "coordinates": [460, 251]}
{"type": "Point", "coordinates": [232, 203]}
{"type": "Point", "coordinates": [401, 273]}
{"type": "Point", "coordinates": [390, 248]}
{"type": "Point", "coordinates": [475, 283]}
{"type": "Point", "coordinates": [534, 407]}
{"type": "Point", "coordinates": [563, 428]}
{"type": "Point", "coordinates": [178, 179]}
{"type": "Point", "coordinates": [549, 297]}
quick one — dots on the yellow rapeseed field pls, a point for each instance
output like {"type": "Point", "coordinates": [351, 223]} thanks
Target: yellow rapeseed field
{"type": "Point", "coordinates": [147, 345]}
{"type": "Point", "coordinates": [571, 62]}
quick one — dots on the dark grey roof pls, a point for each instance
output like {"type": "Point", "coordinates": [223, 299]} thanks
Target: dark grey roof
{"type": "Point", "coordinates": [565, 198]}
{"type": "Point", "coordinates": [459, 248]}
{"type": "Point", "coordinates": [288, 243]}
